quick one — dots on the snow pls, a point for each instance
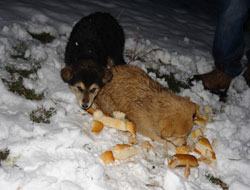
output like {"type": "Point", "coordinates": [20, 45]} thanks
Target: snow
{"type": "Point", "coordinates": [64, 154]}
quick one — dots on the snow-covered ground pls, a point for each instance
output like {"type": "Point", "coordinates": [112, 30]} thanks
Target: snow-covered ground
{"type": "Point", "coordinates": [64, 154]}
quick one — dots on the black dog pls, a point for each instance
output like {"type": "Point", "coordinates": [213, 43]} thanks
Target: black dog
{"type": "Point", "coordinates": [96, 43]}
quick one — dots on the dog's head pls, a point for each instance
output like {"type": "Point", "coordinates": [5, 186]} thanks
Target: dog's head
{"type": "Point", "coordinates": [86, 79]}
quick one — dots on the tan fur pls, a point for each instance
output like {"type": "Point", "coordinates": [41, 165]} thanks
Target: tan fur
{"type": "Point", "coordinates": [85, 96]}
{"type": "Point", "coordinates": [156, 112]}
{"type": "Point", "coordinates": [88, 76]}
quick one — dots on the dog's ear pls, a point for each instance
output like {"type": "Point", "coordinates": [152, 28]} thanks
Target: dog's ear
{"type": "Point", "coordinates": [67, 74]}
{"type": "Point", "coordinates": [107, 76]}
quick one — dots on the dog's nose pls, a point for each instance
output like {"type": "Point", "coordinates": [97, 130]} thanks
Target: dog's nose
{"type": "Point", "coordinates": [85, 106]}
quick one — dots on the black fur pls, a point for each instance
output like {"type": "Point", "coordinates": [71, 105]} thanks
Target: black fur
{"type": "Point", "coordinates": [96, 37]}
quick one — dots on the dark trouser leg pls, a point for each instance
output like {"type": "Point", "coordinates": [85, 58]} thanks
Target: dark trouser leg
{"type": "Point", "coordinates": [228, 41]}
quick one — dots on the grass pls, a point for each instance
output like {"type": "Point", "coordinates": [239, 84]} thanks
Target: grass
{"type": "Point", "coordinates": [18, 88]}
{"type": "Point", "coordinates": [42, 37]}
{"type": "Point", "coordinates": [173, 84]}
{"type": "Point", "coordinates": [25, 73]}
{"type": "Point", "coordinates": [19, 51]}
{"type": "Point", "coordinates": [4, 155]}
{"type": "Point", "coordinates": [217, 181]}
{"type": "Point", "coordinates": [20, 48]}
{"type": "Point", "coordinates": [15, 85]}
{"type": "Point", "coordinates": [41, 115]}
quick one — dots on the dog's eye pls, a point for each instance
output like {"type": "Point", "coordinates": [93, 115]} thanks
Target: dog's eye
{"type": "Point", "coordinates": [93, 90]}
{"type": "Point", "coordinates": [80, 88]}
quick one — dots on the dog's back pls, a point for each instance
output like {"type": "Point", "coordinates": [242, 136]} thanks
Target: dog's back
{"type": "Point", "coordinates": [157, 112]}
{"type": "Point", "coordinates": [97, 37]}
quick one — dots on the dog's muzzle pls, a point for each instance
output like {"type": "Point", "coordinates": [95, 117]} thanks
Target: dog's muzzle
{"type": "Point", "coordinates": [85, 106]}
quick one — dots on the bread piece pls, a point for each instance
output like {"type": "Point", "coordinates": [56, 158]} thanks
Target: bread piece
{"type": "Point", "coordinates": [183, 149]}
{"type": "Point", "coordinates": [119, 124]}
{"type": "Point", "coordinates": [118, 115]}
{"type": "Point", "coordinates": [209, 112]}
{"type": "Point", "coordinates": [196, 134]}
{"type": "Point", "coordinates": [107, 157]}
{"type": "Point", "coordinates": [124, 151]}
{"type": "Point", "coordinates": [132, 140]}
{"type": "Point", "coordinates": [200, 122]}
{"type": "Point", "coordinates": [131, 128]}
{"type": "Point", "coordinates": [200, 116]}
{"type": "Point", "coordinates": [186, 160]}
{"type": "Point", "coordinates": [204, 148]}
{"type": "Point", "coordinates": [90, 111]}
{"type": "Point", "coordinates": [182, 159]}
{"type": "Point", "coordinates": [96, 126]}
{"type": "Point", "coordinates": [205, 160]}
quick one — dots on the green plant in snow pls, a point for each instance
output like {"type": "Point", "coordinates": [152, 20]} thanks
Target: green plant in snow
{"type": "Point", "coordinates": [217, 181]}
{"type": "Point", "coordinates": [18, 88]}
{"type": "Point", "coordinates": [25, 73]}
{"type": "Point", "coordinates": [4, 155]}
{"type": "Point", "coordinates": [41, 115]}
{"type": "Point", "coordinates": [42, 37]}
{"type": "Point", "coordinates": [173, 84]}
{"type": "Point", "coordinates": [18, 51]}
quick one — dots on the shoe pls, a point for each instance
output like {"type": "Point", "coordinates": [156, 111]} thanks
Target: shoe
{"type": "Point", "coordinates": [215, 81]}
{"type": "Point", "coordinates": [246, 75]}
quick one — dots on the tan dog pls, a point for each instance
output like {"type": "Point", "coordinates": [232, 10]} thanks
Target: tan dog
{"type": "Point", "coordinates": [156, 112]}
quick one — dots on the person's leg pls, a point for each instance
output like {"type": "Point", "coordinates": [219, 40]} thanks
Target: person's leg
{"type": "Point", "coordinates": [227, 48]}
{"type": "Point", "coordinates": [246, 74]}
{"type": "Point", "coordinates": [229, 36]}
